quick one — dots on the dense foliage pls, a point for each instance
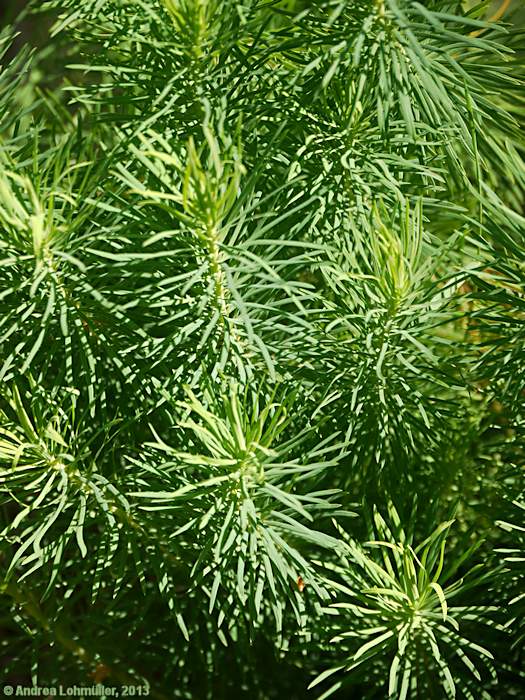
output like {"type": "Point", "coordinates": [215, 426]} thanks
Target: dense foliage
{"type": "Point", "coordinates": [262, 369]}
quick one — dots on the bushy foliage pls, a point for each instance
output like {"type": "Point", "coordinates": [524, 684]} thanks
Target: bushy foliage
{"type": "Point", "coordinates": [262, 369]}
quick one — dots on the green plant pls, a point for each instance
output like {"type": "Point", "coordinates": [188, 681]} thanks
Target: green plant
{"type": "Point", "coordinates": [261, 333]}
{"type": "Point", "coordinates": [515, 559]}
{"type": "Point", "coordinates": [401, 615]}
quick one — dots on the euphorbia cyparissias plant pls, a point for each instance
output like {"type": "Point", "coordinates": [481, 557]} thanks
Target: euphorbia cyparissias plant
{"type": "Point", "coordinates": [261, 348]}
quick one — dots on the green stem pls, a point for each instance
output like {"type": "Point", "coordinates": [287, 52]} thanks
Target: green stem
{"type": "Point", "coordinates": [61, 635]}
